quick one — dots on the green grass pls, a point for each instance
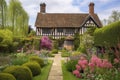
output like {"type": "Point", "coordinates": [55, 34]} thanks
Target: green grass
{"type": "Point", "coordinates": [66, 74]}
{"type": "Point", "coordinates": [44, 72]}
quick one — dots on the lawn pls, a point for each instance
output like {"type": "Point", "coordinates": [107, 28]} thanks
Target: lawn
{"type": "Point", "coordinates": [66, 74]}
{"type": "Point", "coordinates": [44, 73]}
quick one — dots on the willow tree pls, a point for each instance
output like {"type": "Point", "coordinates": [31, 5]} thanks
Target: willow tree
{"type": "Point", "coordinates": [3, 11]}
{"type": "Point", "coordinates": [18, 18]}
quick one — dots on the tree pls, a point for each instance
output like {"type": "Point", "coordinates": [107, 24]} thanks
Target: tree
{"type": "Point", "coordinates": [115, 16]}
{"type": "Point", "coordinates": [18, 18]}
{"type": "Point", "coordinates": [3, 11]}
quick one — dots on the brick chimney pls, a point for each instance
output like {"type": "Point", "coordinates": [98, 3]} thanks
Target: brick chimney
{"type": "Point", "coordinates": [91, 8]}
{"type": "Point", "coordinates": [42, 7]}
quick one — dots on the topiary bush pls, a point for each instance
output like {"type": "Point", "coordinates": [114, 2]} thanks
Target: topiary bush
{"type": "Point", "coordinates": [6, 76]}
{"type": "Point", "coordinates": [70, 65]}
{"type": "Point", "coordinates": [19, 72]}
{"type": "Point", "coordinates": [34, 67]}
{"type": "Point", "coordinates": [38, 60]}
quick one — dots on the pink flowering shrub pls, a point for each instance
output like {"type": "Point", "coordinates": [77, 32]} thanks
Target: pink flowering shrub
{"type": "Point", "coordinates": [77, 73]}
{"type": "Point", "coordinates": [46, 43]}
{"type": "Point", "coordinates": [94, 66]}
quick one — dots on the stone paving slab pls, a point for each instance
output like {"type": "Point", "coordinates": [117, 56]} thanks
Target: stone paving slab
{"type": "Point", "coordinates": [56, 69]}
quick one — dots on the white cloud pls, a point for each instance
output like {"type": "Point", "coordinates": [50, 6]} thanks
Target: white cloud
{"type": "Point", "coordinates": [63, 6]}
{"type": "Point", "coordinates": [52, 6]}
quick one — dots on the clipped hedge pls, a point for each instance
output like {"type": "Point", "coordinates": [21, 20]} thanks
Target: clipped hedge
{"type": "Point", "coordinates": [38, 60]}
{"type": "Point", "coordinates": [6, 76]}
{"type": "Point", "coordinates": [108, 35]}
{"type": "Point", "coordinates": [19, 72]}
{"type": "Point", "coordinates": [34, 67]}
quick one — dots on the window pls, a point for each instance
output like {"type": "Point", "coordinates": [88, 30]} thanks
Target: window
{"type": "Point", "coordinates": [46, 31]}
{"type": "Point", "coordinates": [59, 30]}
{"type": "Point", "coordinates": [70, 31]}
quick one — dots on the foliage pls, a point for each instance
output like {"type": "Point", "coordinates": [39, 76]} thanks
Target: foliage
{"type": "Point", "coordinates": [3, 13]}
{"type": "Point", "coordinates": [18, 18]}
{"type": "Point", "coordinates": [114, 17]}
{"type": "Point", "coordinates": [4, 60]}
{"type": "Point", "coordinates": [76, 53]}
{"type": "Point", "coordinates": [65, 53]}
{"type": "Point", "coordinates": [92, 68]}
{"type": "Point", "coordinates": [19, 58]}
{"type": "Point", "coordinates": [45, 72]}
{"type": "Point", "coordinates": [82, 49]}
{"type": "Point", "coordinates": [6, 40]}
{"type": "Point", "coordinates": [38, 60]}
{"type": "Point", "coordinates": [46, 43]}
{"type": "Point", "coordinates": [55, 44]}
{"type": "Point", "coordinates": [70, 65]}
{"type": "Point", "coordinates": [87, 41]}
{"type": "Point", "coordinates": [36, 44]}
{"type": "Point", "coordinates": [76, 40]}
{"type": "Point", "coordinates": [34, 67]}
{"type": "Point", "coordinates": [66, 74]}
{"type": "Point", "coordinates": [19, 72]}
{"type": "Point", "coordinates": [54, 51]}
{"type": "Point", "coordinates": [6, 76]}
{"type": "Point", "coordinates": [50, 55]}
{"type": "Point", "coordinates": [108, 35]}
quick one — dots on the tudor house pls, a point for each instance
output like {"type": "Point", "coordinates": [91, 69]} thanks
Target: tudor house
{"type": "Point", "coordinates": [60, 25]}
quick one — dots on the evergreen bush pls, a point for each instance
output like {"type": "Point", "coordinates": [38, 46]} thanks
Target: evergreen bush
{"type": "Point", "coordinates": [34, 67]}
{"type": "Point", "coordinates": [19, 72]}
{"type": "Point", "coordinates": [38, 60]}
{"type": "Point", "coordinates": [6, 76]}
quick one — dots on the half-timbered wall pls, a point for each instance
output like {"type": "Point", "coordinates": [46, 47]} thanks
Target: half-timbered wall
{"type": "Point", "coordinates": [63, 32]}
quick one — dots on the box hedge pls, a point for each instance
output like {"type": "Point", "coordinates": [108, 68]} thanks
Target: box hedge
{"type": "Point", "coordinates": [34, 67]}
{"type": "Point", "coordinates": [19, 72]}
{"type": "Point", "coordinates": [38, 60]}
{"type": "Point", "coordinates": [6, 76]}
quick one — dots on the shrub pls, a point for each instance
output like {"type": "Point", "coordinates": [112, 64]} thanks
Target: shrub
{"type": "Point", "coordinates": [50, 55]}
{"type": "Point", "coordinates": [65, 53]}
{"type": "Point", "coordinates": [76, 40]}
{"type": "Point", "coordinates": [54, 51]}
{"type": "Point", "coordinates": [36, 44]}
{"type": "Point", "coordinates": [46, 43]}
{"type": "Point", "coordinates": [6, 76]}
{"type": "Point", "coordinates": [108, 35]}
{"type": "Point", "coordinates": [70, 65]}
{"type": "Point", "coordinates": [34, 67]}
{"type": "Point", "coordinates": [19, 72]}
{"type": "Point", "coordinates": [19, 61]}
{"type": "Point", "coordinates": [38, 60]}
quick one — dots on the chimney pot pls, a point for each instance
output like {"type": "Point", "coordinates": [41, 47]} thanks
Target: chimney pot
{"type": "Point", "coordinates": [91, 8]}
{"type": "Point", "coordinates": [42, 7]}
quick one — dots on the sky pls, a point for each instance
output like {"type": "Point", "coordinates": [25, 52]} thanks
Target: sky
{"type": "Point", "coordinates": [103, 8]}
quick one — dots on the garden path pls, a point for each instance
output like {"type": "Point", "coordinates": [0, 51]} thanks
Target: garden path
{"type": "Point", "coordinates": [56, 69]}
